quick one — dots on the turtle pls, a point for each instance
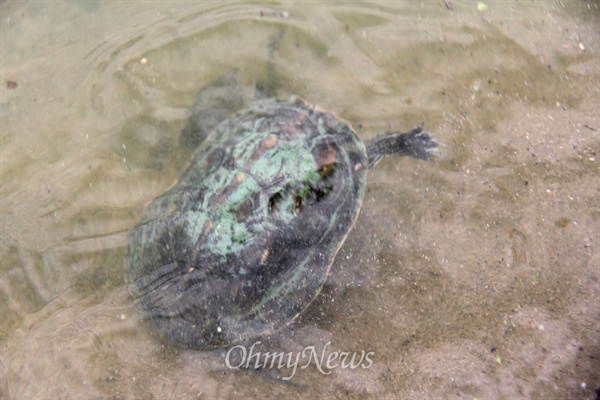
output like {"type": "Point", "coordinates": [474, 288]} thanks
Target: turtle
{"type": "Point", "coordinates": [242, 244]}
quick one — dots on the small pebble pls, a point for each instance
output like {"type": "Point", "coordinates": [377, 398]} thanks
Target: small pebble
{"type": "Point", "coordinates": [143, 61]}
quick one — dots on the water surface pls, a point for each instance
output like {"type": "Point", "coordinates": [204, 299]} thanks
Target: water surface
{"type": "Point", "coordinates": [473, 276]}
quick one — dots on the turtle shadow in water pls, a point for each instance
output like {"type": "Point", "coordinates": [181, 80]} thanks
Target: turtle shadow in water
{"type": "Point", "coordinates": [213, 104]}
{"type": "Point", "coordinates": [244, 242]}
{"type": "Point", "coordinates": [222, 98]}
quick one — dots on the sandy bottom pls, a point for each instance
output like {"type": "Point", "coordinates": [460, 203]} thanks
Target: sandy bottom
{"type": "Point", "coordinates": [474, 276]}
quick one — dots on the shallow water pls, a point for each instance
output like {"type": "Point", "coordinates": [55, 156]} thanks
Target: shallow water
{"type": "Point", "coordinates": [476, 275]}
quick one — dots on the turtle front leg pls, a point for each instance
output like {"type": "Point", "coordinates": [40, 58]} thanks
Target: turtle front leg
{"type": "Point", "coordinates": [417, 143]}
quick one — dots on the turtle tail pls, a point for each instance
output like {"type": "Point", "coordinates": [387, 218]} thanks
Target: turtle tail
{"type": "Point", "coordinates": [417, 143]}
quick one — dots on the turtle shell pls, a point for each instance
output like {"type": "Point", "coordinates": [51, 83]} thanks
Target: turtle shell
{"type": "Point", "coordinates": [244, 241]}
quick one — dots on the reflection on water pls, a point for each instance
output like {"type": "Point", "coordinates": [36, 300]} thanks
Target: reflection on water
{"type": "Point", "coordinates": [474, 276]}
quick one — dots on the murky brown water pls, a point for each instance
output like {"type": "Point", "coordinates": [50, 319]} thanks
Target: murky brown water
{"type": "Point", "coordinates": [473, 277]}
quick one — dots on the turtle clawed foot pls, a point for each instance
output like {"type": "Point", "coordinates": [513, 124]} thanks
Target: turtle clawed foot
{"type": "Point", "coordinates": [417, 143]}
{"type": "Point", "coordinates": [421, 144]}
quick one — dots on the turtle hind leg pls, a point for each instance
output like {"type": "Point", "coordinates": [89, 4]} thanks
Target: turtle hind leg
{"type": "Point", "coordinates": [417, 143]}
